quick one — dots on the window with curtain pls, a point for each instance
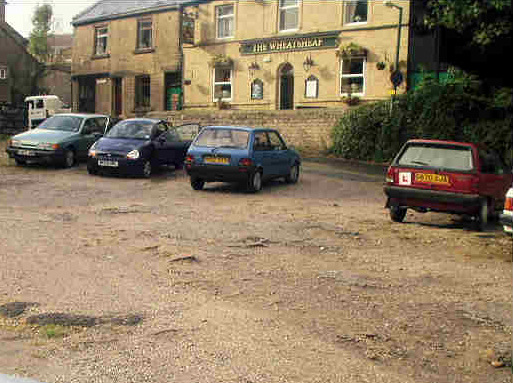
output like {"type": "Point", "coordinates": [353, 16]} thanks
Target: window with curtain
{"type": "Point", "coordinates": [225, 21]}
{"type": "Point", "coordinates": [352, 76]}
{"type": "Point", "coordinates": [356, 11]}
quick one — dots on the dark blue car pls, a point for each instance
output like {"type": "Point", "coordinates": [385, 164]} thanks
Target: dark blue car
{"type": "Point", "coordinates": [136, 147]}
{"type": "Point", "coordinates": [243, 155]}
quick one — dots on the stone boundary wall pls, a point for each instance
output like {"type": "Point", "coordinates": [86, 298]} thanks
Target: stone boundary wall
{"type": "Point", "coordinates": [308, 130]}
{"type": "Point", "coordinates": [12, 121]}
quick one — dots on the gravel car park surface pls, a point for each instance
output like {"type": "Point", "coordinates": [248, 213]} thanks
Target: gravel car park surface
{"type": "Point", "coordinates": [108, 279]}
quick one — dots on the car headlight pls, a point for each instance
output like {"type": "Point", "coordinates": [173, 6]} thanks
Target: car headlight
{"type": "Point", "coordinates": [133, 155]}
{"type": "Point", "coordinates": [92, 150]}
{"type": "Point", "coordinates": [14, 143]}
{"type": "Point", "coordinates": [47, 146]}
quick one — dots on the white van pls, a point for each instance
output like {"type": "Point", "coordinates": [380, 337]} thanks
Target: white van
{"type": "Point", "coordinates": [42, 107]}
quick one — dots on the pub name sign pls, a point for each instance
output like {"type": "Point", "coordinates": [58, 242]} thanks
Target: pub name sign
{"type": "Point", "coordinates": [287, 44]}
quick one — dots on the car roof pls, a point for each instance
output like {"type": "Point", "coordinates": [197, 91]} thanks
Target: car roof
{"type": "Point", "coordinates": [443, 142]}
{"type": "Point", "coordinates": [81, 115]}
{"type": "Point", "coordinates": [246, 128]}
{"type": "Point", "coordinates": [146, 119]}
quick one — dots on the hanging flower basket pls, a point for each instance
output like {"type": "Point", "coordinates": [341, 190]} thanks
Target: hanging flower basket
{"type": "Point", "coordinates": [351, 50]}
{"type": "Point", "coordinates": [221, 59]}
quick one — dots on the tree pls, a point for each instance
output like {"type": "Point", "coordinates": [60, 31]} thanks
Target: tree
{"type": "Point", "coordinates": [475, 36]}
{"type": "Point", "coordinates": [41, 22]}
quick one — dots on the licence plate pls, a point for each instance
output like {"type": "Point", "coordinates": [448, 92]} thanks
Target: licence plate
{"type": "Point", "coordinates": [109, 163]}
{"type": "Point", "coordinates": [432, 178]}
{"type": "Point", "coordinates": [28, 153]}
{"type": "Point", "coordinates": [217, 160]}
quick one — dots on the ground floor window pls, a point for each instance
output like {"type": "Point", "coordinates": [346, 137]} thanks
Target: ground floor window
{"type": "Point", "coordinates": [352, 76]}
{"type": "Point", "coordinates": [222, 83]}
{"type": "Point", "coordinates": [257, 89]}
{"type": "Point", "coordinates": [3, 73]}
{"type": "Point", "coordinates": [312, 87]}
{"type": "Point", "coordinates": [142, 92]}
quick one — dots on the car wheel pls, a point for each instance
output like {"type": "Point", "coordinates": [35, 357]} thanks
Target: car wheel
{"type": "Point", "coordinates": [146, 169]}
{"type": "Point", "coordinates": [482, 218]}
{"type": "Point", "coordinates": [293, 175]}
{"type": "Point", "coordinates": [91, 170]}
{"type": "Point", "coordinates": [69, 158]}
{"type": "Point", "coordinates": [397, 213]}
{"type": "Point", "coordinates": [20, 162]}
{"type": "Point", "coordinates": [197, 184]}
{"type": "Point", "coordinates": [255, 182]}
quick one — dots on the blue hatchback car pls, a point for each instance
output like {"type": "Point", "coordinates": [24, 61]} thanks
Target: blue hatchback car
{"type": "Point", "coordinates": [243, 155]}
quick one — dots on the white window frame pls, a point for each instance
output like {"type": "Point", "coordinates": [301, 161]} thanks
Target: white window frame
{"type": "Point", "coordinates": [98, 36]}
{"type": "Point", "coordinates": [141, 27]}
{"type": "Point", "coordinates": [362, 75]}
{"type": "Point", "coordinates": [285, 8]}
{"type": "Point", "coordinates": [216, 83]}
{"type": "Point", "coordinates": [222, 17]}
{"type": "Point", "coordinates": [351, 2]}
{"type": "Point", "coordinates": [3, 73]}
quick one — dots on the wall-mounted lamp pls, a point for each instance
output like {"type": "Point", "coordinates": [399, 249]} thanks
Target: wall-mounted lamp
{"type": "Point", "coordinates": [308, 63]}
{"type": "Point", "coordinates": [253, 67]}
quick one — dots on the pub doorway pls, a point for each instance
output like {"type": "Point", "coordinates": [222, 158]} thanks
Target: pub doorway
{"type": "Point", "coordinates": [86, 94]}
{"type": "Point", "coordinates": [286, 88]}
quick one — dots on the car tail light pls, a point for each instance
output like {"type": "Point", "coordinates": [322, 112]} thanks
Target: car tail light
{"type": "Point", "coordinates": [246, 162]}
{"type": "Point", "coordinates": [55, 146]}
{"type": "Point", "coordinates": [508, 205]}
{"type": "Point", "coordinates": [189, 159]}
{"type": "Point", "coordinates": [389, 178]}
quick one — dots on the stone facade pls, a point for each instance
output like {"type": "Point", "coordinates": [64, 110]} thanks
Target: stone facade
{"type": "Point", "coordinates": [249, 55]}
{"type": "Point", "coordinates": [95, 67]}
{"type": "Point", "coordinates": [256, 49]}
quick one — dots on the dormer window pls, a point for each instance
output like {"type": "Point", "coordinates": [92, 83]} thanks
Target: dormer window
{"type": "Point", "coordinates": [289, 15]}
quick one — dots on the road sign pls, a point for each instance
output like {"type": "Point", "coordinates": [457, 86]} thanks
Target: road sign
{"type": "Point", "coordinates": [397, 78]}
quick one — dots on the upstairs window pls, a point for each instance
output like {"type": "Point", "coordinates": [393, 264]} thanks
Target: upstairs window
{"type": "Point", "coordinates": [144, 34]}
{"type": "Point", "coordinates": [289, 15]}
{"type": "Point", "coordinates": [352, 76]}
{"type": "Point", "coordinates": [101, 37]}
{"type": "Point", "coordinates": [225, 21]}
{"type": "Point", "coordinates": [356, 11]}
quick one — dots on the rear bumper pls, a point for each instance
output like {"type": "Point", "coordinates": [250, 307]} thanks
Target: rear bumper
{"type": "Point", "coordinates": [40, 156]}
{"type": "Point", "coordinates": [219, 173]}
{"type": "Point", "coordinates": [432, 199]}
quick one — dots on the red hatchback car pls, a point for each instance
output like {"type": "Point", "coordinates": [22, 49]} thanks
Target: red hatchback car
{"type": "Point", "coordinates": [448, 177]}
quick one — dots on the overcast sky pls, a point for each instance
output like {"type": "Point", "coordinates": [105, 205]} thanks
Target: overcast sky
{"type": "Point", "coordinates": [18, 13]}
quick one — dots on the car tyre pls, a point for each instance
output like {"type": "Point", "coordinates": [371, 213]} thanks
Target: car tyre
{"type": "Point", "coordinates": [91, 170]}
{"type": "Point", "coordinates": [146, 169]}
{"type": "Point", "coordinates": [69, 158]}
{"type": "Point", "coordinates": [20, 162]}
{"type": "Point", "coordinates": [255, 182]}
{"type": "Point", "coordinates": [197, 184]}
{"type": "Point", "coordinates": [482, 218]}
{"type": "Point", "coordinates": [397, 213]}
{"type": "Point", "coordinates": [293, 175]}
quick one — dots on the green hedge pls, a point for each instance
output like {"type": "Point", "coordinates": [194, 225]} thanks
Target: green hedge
{"type": "Point", "coordinates": [375, 132]}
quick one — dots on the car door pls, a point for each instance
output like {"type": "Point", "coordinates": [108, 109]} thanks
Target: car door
{"type": "Point", "coordinates": [263, 153]}
{"type": "Point", "coordinates": [90, 132]}
{"type": "Point", "coordinates": [280, 155]}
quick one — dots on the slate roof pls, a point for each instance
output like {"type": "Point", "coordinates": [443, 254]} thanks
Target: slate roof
{"type": "Point", "coordinates": [111, 9]}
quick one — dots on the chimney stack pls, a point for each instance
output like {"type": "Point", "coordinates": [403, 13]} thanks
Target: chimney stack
{"type": "Point", "coordinates": [2, 11]}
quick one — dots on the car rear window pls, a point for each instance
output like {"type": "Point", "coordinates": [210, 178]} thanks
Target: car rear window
{"type": "Point", "coordinates": [437, 156]}
{"type": "Point", "coordinates": [226, 138]}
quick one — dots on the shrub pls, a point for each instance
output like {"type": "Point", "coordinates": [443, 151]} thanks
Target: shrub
{"type": "Point", "coordinates": [453, 111]}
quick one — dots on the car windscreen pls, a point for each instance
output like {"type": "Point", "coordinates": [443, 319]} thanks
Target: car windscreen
{"type": "Point", "coordinates": [65, 123]}
{"type": "Point", "coordinates": [449, 157]}
{"type": "Point", "coordinates": [226, 138]}
{"type": "Point", "coordinates": [140, 130]}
